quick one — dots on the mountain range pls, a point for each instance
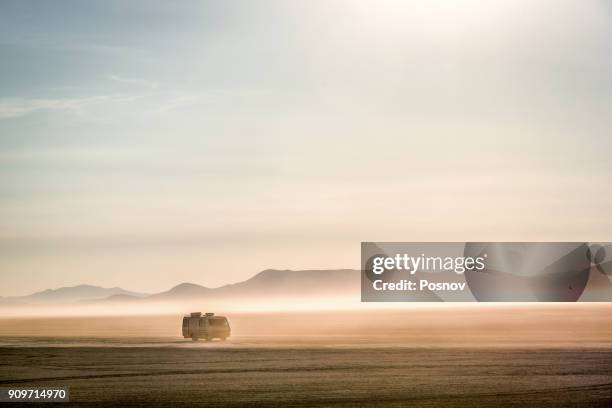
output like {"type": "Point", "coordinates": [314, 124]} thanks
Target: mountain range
{"type": "Point", "coordinates": [268, 283]}
{"type": "Point", "coordinates": [70, 295]}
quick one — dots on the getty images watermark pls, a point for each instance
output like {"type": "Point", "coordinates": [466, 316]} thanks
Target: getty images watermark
{"type": "Point", "coordinates": [486, 272]}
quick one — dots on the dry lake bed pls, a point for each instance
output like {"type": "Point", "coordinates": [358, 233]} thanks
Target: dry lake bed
{"type": "Point", "coordinates": [389, 359]}
{"type": "Point", "coordinates": [221, 376]}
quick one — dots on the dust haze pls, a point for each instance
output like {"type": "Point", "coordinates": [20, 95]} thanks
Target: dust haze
{"type": "Point", "coordinates": [418, 325]}
{"type": "Point", "coordinates": [423, 355]}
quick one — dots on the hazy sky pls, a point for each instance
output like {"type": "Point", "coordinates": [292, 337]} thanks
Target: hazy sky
{"type": "Point", "coordinates": [143, 144]}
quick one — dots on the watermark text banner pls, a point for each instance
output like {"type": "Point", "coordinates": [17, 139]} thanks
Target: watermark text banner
{"type": "Point", "coordinates": [486, 271]}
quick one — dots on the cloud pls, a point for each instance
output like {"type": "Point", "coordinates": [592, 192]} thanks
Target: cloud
{"type": "Point", "coordinates": [17, 107]}
{"type": "Point", "coordinates": [98, 107]}
{"type": "Point", "coordinates": [143, 102]}
{"type": "Point", "coordinates": [102, 108]}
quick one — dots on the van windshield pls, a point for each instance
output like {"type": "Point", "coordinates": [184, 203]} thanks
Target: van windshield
{"type": "Point", "coordinates": [218, 322]}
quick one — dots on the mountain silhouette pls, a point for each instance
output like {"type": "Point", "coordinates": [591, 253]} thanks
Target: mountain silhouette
{"type": "Point", "coordinates": [70, 295]}
{"type": "Point", "coordinates": [268, 283]}
{"type": "Point", "coordinates": [272, 282]}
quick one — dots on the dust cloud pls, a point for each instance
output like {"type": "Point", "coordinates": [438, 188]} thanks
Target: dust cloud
{"type": "Point", "coordinates": [411, 325]}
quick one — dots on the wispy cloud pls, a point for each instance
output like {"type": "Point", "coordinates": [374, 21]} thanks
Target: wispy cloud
{"type": "Point", "coordinates": [143, 102]}
{"type": "Point", "coordinates": [102, 108]}
{"type": "Point", "coordinates": [134, 89]}
{"type": "Point", "coordinates": [17, 107]}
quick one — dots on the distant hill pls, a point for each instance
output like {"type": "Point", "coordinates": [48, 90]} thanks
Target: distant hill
{"type": "Point", "coordinates": [273, 282]}
{"type": "Point", "coordinates": [70, 295]}
{"type": "Point", "coordinates": [120, 298]}
{"type": "Point", "coordinates": [288, 282]}
{"type": "Point", "coordinates": [268, 283]}
{"type": "Point", "coordinates": [183, 290]}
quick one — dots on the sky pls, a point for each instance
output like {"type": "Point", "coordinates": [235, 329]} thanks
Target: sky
{"type": "Point", "coordinates": [145, 143]}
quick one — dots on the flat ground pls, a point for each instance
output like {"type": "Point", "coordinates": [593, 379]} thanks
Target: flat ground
{"type": "Point", "coordinates": [500, 356]}
{"type": "Point", "coordinates": [219, 376]}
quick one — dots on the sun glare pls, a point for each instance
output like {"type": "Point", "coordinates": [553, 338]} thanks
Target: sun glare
{"type": "Point", "coordinates": [435, 14]}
